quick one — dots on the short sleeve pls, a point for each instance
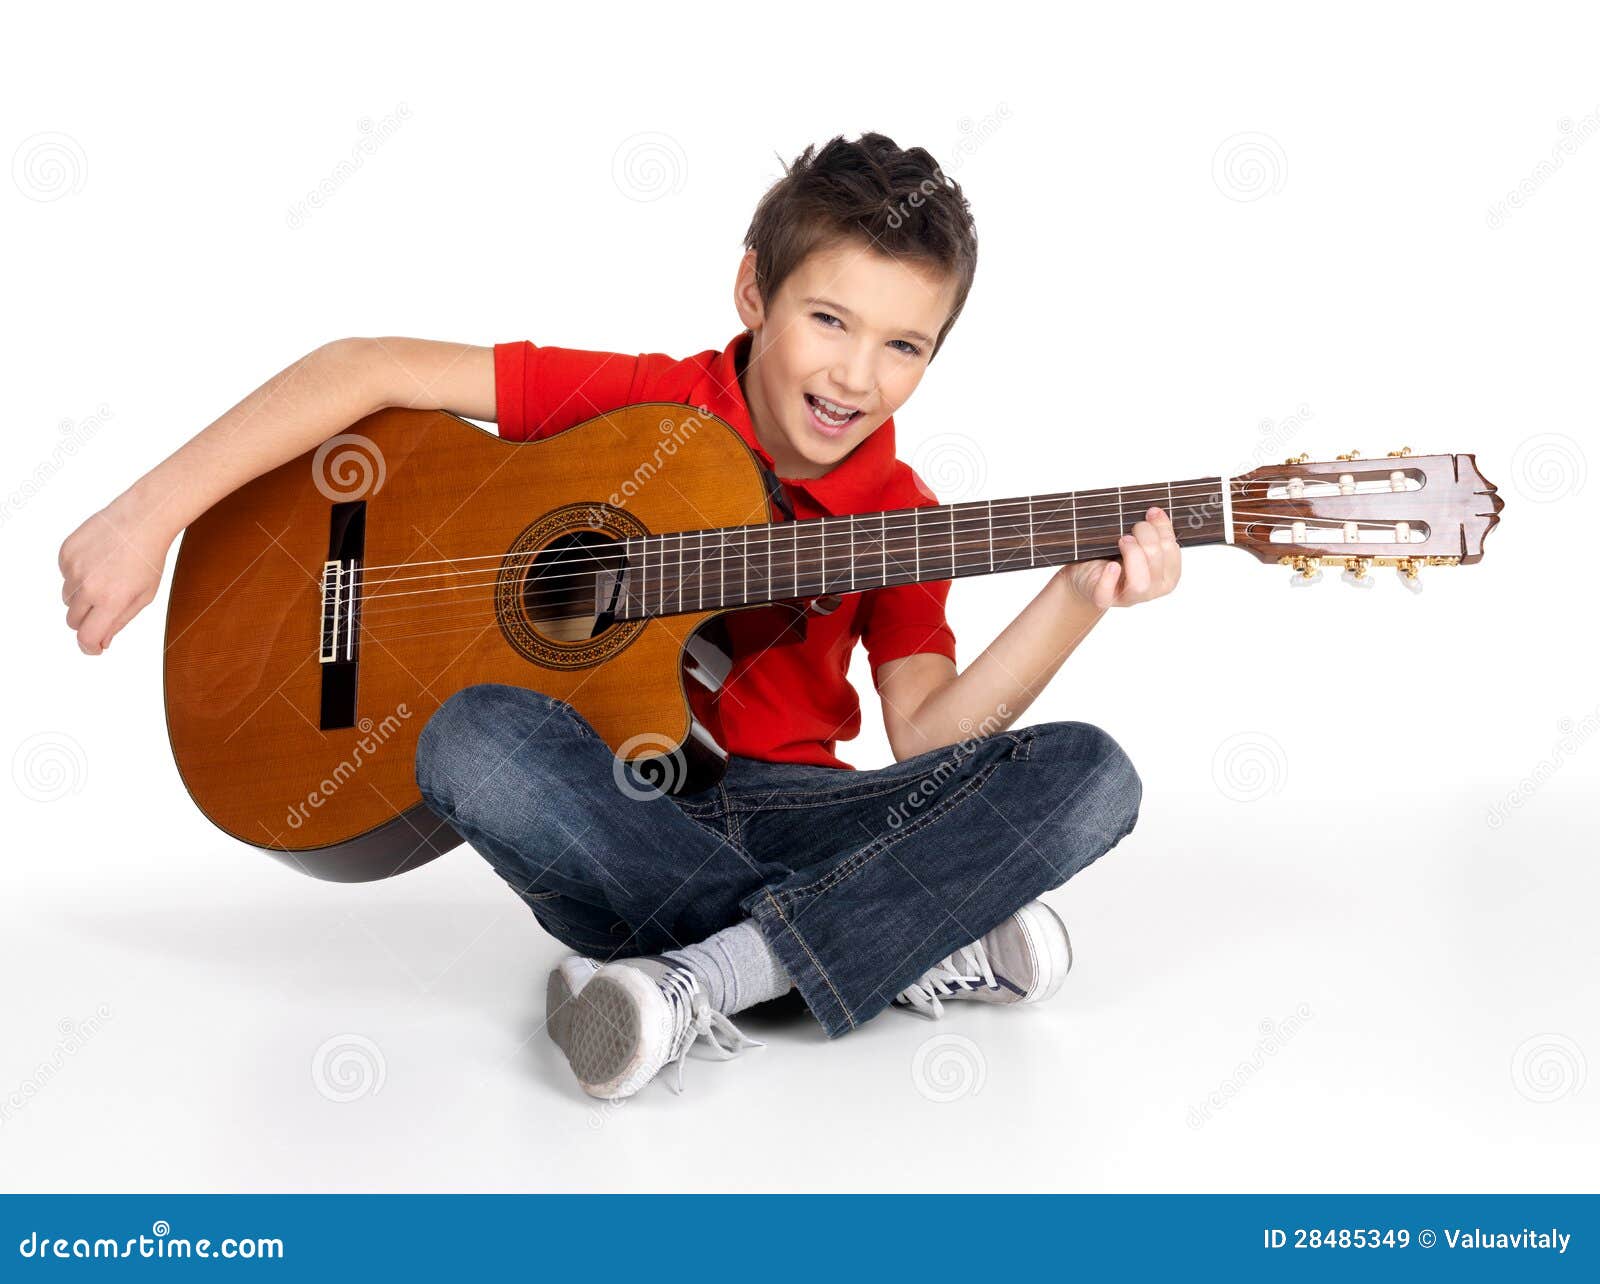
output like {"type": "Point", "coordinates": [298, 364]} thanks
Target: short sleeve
{"type": "Point", "coordinates": [907, 619]}
{"type": "Point", "coordinates": [539, 392]}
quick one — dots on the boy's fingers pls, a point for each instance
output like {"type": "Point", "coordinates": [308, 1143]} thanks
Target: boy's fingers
{"type": "Point", "coordinates": [1150, 540]}
{"type": "Point", "coordinates": [1137, 569]}
{"type": "Point", "coordinates": [1105, 590]}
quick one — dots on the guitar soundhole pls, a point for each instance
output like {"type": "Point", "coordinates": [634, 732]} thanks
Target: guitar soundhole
{"type": "Point", "coordinates": [558, 593]}
{"type": "Point", "coordinates": [545, 592]}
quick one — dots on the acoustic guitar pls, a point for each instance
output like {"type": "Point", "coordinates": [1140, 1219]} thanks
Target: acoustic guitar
{"type": "Point", "coordinates": [321, 613]}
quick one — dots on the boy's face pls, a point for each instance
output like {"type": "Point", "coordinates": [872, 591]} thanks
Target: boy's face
{"type": "Point", "coordinates": [837, 350]}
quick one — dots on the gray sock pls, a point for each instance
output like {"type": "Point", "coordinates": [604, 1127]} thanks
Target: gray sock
{"type": "Point", "coordinates": [736, 966]}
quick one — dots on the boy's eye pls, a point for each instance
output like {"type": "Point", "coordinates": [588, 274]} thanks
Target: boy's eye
{"type": "Point", "coordinates": [909, 348]}
{"type": "Point", "coordinates": [827, 318]}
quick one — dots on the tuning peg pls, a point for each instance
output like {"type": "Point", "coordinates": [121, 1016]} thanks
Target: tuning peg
{"type": "Point", "coordinates": [1399, 454]}
{"type": "Point", "coordinates": [1355, 573]}
{"type": "Point", "coordinates": [1306, 571]}
{"type": "Point", "coordinates": [1355, 453]}
{"type": "Point", "coordinates": [1409, 569]}
{"type": "Point", "coordinates": [1301, 458]}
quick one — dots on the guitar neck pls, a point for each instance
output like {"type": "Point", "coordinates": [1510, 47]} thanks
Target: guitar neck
{"type": "Point", "coordinates": [719, 568]}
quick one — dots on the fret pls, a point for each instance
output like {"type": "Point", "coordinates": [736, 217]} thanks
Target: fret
{"type": "Point", "coordinates": [1032, 547]}
{"type": "Point", "coordinates": [1122, 522]}
{"type": "Point", "coordinates": [822, 531]}
{"type": "Point", "coordinates": [883, 543]}
{"type": "Point", "coordinates": [852, 521]}
{"type": "Point", "coordinates": [722, 566]}
{"type": "Point", "coordinates": [916, 539]}
{"type": "Point", "coordinates": [991, 535]}
{"type": "Point", "coordinates": [1074, 498]}
{"type": "Point", "coordinates": [795, 587]}
{"type": "Point", "coordinates": [952, 540]}
{"type": "Point", "coordinates": [768, 533]}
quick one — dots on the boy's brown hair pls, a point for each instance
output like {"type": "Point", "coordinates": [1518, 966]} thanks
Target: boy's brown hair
{"type": "Point", "coordinates": [899, 201]}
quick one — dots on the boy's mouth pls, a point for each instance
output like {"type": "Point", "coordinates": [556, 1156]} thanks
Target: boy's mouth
{"type": "Point", "coordinates": [829, 417]}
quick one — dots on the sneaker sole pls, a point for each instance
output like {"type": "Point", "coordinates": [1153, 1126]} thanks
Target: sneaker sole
{"type": "Point", "coordinates": [1044, 925]}
{"type": "Point", "coordinates": [602, 1032]}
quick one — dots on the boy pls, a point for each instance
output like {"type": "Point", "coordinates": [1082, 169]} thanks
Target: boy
{"type": "Point", "coordinates": [908, 885]}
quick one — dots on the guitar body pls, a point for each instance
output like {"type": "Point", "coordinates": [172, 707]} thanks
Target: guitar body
{"type": "Point", "coordinates": [314, 761]}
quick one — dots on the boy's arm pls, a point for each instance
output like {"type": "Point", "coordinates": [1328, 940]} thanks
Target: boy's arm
{"type": "Point", "coordinates": [928, 705]}
{"type": "Point", "coordinates": [111, 565]}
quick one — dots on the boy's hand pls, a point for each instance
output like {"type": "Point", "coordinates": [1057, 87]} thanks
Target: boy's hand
{"type": "Point", "coordinates": [110, 571]}
{"type": "Point", "coordinates": [1149, 567]}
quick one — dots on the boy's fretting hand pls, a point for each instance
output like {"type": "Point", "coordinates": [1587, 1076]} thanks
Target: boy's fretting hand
{"type": "Point", "coordinates": [1149, 567]}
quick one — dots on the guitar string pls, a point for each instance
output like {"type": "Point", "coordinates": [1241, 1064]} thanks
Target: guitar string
{"type": "Point", "coordinates": [814, 537]}
{"type": "Point", "coordinates": [399, 633]}
{"type": "Point", "coordinates": [718, 541]}
{"type": "Point", "coordinates": [1189, 489]}
{"type": "Point", "coordinates": [664, 575]}
{"type": "Point", "coordinates": [798, 567]}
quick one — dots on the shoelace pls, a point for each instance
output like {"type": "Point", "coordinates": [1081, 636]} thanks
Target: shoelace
{"type": "Point", "coordinates": [966, 969]}
{"type": "Point", "coordinates": [694, 1019]}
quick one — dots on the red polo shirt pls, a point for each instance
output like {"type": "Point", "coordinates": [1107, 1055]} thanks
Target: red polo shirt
{"type": "Point", "coordinates": [786, 702]}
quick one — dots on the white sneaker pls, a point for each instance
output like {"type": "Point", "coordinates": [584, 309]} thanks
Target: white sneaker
{"type": "Point", "coordinates": [621, 1023]}
{"type": "Point", "coordinates": [1024, 960]}
{"type": "Point", "coordinates": [566, 980]}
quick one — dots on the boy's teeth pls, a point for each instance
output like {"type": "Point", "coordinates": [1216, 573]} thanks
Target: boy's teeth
{"type": "Point", "coordinates": [831, 413]}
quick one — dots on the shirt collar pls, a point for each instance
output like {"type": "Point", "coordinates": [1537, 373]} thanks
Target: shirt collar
{"type": "Point", "coordinates": [856, 484]}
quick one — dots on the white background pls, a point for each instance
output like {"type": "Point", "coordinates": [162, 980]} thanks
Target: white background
{"type": "Point", "coordinates": [1318, 922]}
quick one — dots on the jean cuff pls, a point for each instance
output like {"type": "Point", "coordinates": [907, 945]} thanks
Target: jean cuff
{"type": "Point", "coordinates": [825, 1002]}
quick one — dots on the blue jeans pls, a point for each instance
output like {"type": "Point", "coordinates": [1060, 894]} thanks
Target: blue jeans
{"type": "Point", "coordinates": [859, 880]}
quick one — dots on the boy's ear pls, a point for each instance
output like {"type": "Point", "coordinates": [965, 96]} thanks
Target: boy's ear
{"type": "Point", "coordinates": [746, 296]}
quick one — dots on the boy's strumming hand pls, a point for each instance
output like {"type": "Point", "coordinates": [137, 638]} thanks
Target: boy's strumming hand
{"type": "Point", "coordinates": [1149, 567]}
{"type": "Point", "coordinates": [110, 571]}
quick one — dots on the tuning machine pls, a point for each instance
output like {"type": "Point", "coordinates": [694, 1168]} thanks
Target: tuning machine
{"type": "Point", "coordinates": [1307, 571]}
{"type": "Point", "coordinates": [1355, 572]}
{"type": "Point", "coordinates": [1409, 569]}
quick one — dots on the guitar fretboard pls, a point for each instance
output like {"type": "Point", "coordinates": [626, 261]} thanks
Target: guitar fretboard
{"type": "Point", "coordinates": [719, 568]}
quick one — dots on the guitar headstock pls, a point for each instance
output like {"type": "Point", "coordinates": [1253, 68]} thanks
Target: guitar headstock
{"type": "Point", "coordinates": [1406, 511]}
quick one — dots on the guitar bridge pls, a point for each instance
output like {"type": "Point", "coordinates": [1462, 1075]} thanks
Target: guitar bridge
{"type": "Point", "coordinates": [340, 646]}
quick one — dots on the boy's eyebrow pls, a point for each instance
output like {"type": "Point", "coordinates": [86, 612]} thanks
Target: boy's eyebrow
{"type": "Point", "coordinates": [839, 307]}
